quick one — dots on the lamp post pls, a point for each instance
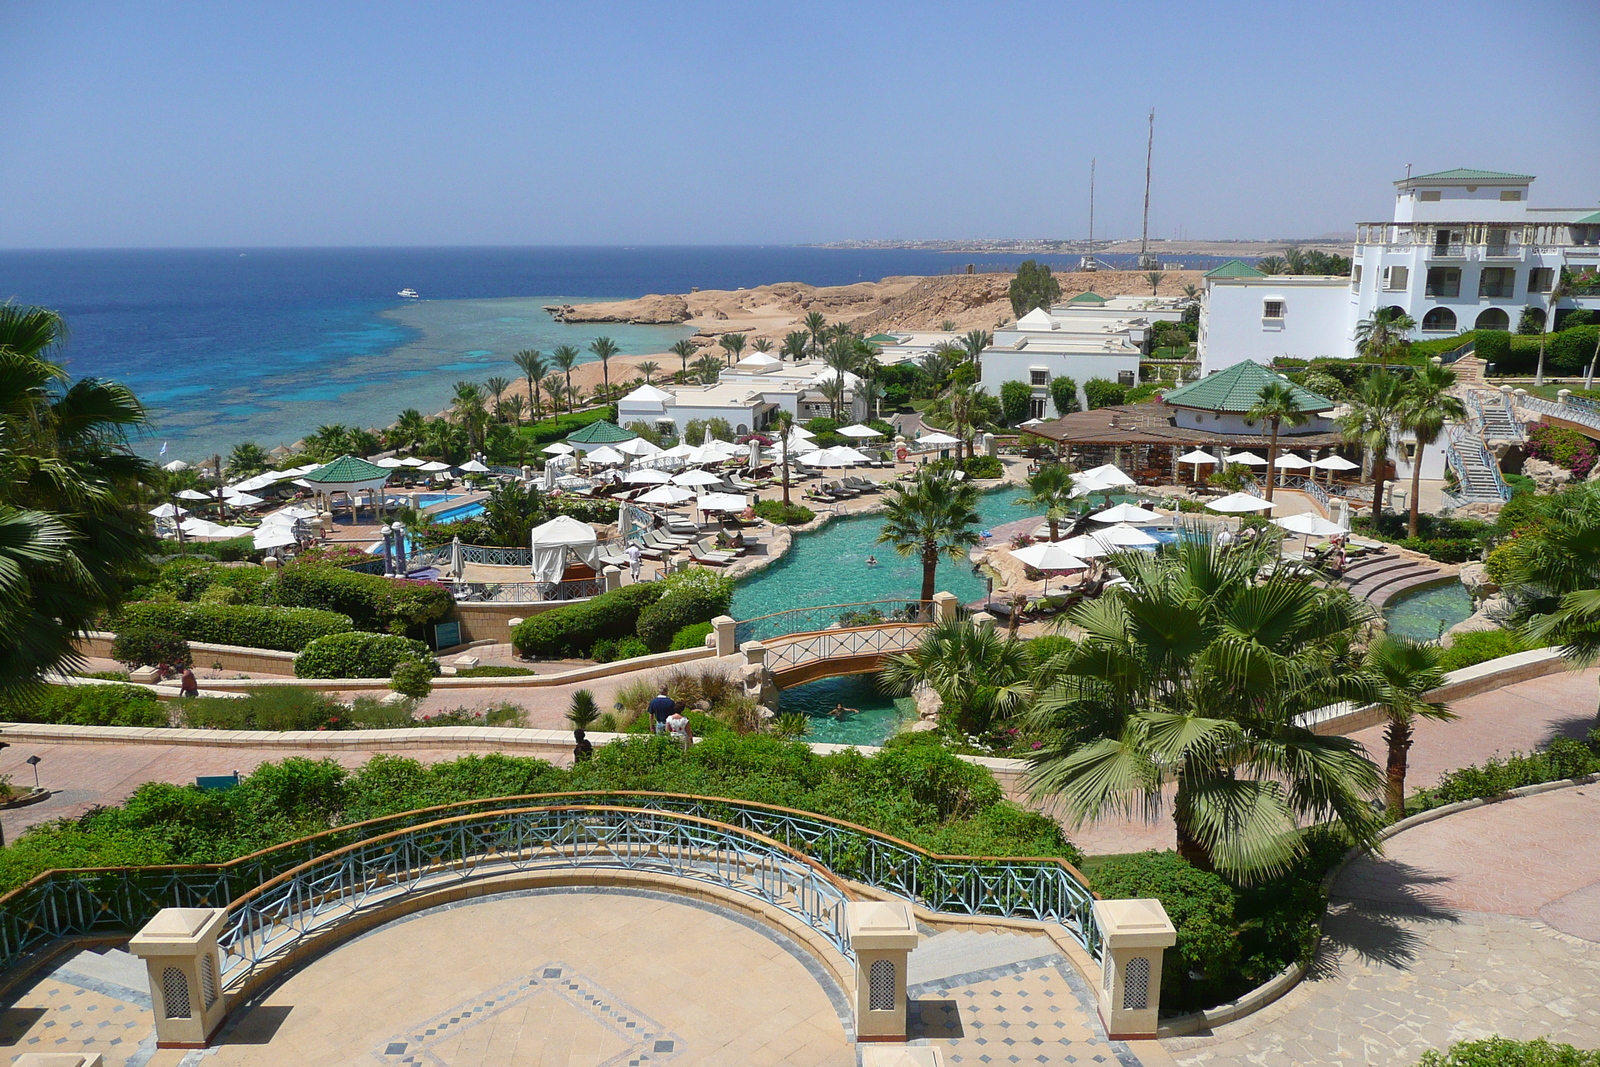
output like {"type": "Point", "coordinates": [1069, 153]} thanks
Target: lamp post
{"type": "Point", "coordinates": [388, 549]}
{"type": "Point", "coordinates": [400, 547]}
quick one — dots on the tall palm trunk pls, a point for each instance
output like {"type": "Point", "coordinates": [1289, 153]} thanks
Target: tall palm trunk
{"type": "Point", "coordinates": [1190, 848]}
{"type": "Point", "coordinates": [783, 443]}
{"type": "Point", "coordinates": [1416, 487]}
{"type": "Point", "coordinates": [930, 568]}
{"type": "Point", "coordinates": [1398, 737]}
{"type": "Point", "coordinates": [1272, 457]}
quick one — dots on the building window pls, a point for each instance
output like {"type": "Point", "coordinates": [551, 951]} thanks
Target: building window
{"type": "Point", "coordinates": [1355, 276]}
{"type": "Point", "coordinates": [1429, 196]}
{"type": "Point", "coordinates": [1038, 377]}
{"type": "Point", "coordinates": [1493, 319]}
{"type": "Point", "coordinates": [1036, 407]}
{"type": "Point", "coordinates": [1444, 281]}
{"type": "Point", "coordinates": [1497, 283]}
{"type": "Point", "coordinates": [1124, 377]}
{"type": "Point", "coordinates": [1395, 278]}
{"type": "Point", "coordinates": [1540, 279]}
{"type": "Point", "coordinates": [1498, 243]}
{"type": "Point", "coordinates": [1510, 195]}
{"type": "Point", "coordinates": [1439, 320]}
{"type": "Point", "coordinates": [1272, 309]}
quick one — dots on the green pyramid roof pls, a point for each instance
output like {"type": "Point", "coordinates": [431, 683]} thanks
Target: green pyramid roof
{"type": "Point", "coordinates": [600, 433]}
{"type": "Point", "coordinates": [1234, 269]}
{"type": "Point", "coordinates": [1467, 174]}
{"type": "Point", "coordinates": [347, 469]}
{"type": "Point", "coordinates": [1588, 220]}
{"type": "Point", "coordinates": [883, 339]}
{"type": "Point", "coordinates": [1238, 388]}
{"type": "Point", "coordinates": [1090, 297]}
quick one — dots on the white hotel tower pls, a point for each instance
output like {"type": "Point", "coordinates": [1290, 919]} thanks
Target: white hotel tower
{"type": "Point", "coordinates": [1465, 251]}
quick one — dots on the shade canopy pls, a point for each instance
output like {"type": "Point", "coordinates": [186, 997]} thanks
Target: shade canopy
{"type": "Point", "coordinates": [175, 466]}
{"type": "Point", "coordinates": [1249, 459]}
{"type": "Point", "coordinates": [288, 516]}
{"type": "Point", "coordinates": [191, 494]}
{"type": "Point", "coordinates": [720, 502]}
{"type": "Point", "coordinates": [1123, 536]}
{"type": "Point", "coordinates": [1108, 474]}
{"type": "Point", "coordinates": [1126, 513]}
{"type": "Point", "coordinates": [411, 461]}
{"type": "Point", "coordinates": [759, 361]}
{"type": "Point", "coordinates": [260, 481]}
{"type": "Point", "coordinates": [938, 440]}
{"type": "Point", "coordinates": [606, 456]}
{"type": "Point", "coordinates": [837, 456]}
{"type": "Point", "coordinates": [1085, 546]}
{"type": "Point", "coordinates": [1291, 462]}
{"type": "Point", "coordinates": [647, 476]}
{"type": "Point", "coordinates": [472, 466]}
{"type": "Point", "coordinates": [801, 431]}
{"type": "Point", "coordinates": [1048, 556]}
{"type": "Point", "coordinates": [168, 511]}
{"type": "Point", "coordinates": [1239, 503]}
{"type": "Point", "coordinates": [434, 467]}
{"type": "Point", "coordinates": [638, 447]}
{"type": "Point", "coordinates": [560, 448]}
{"type": "Point", "coordinates": [1310, 525]}
{"type": "Point", "coordinates": [389, 462]}
{"type": "Point", "coordinates": [241, 500]}
{"type": "Point", "coordinates": [1083, 485]}
{"type": "Point", "coordinates": [860, 431]}
{"type": "Point", "coordinates": [552, 541]}
{"type": "Point", "coordinates": [695, 477]}
{"type": "Point", "coordinates": [276, 535]}
{"type": "Point", "coordinates": [347, 475]}
{"type": "Point", "coordinates": [1335, 463]}
{"type": "Point", "coordinates": [1198, 456]}
{"type": "Point", "coordinates": [681, 450]}
{"type": "Point", "coordinates": [670, 495]}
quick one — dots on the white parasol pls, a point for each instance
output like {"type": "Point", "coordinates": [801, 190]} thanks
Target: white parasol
{"type": "Point", "coordinates": [720, 502]}
{"type": "Point", "coordinates": [1239, 503]}
{"type": "Point", "coordinates": [647, 476]}
{"type": "Point", "coordinates": [695, 477]}
{"type": "Point", "coordinates": [860, 431]}
{"type": "Point", "coordinates": [1249, 459]}
{"type": "Point", "coordinates": [1126, 513]}
{"type": "Point", "coordinates": [670, 495]}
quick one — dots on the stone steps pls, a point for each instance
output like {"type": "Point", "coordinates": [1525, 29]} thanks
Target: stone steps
{"type": "Point", "coordinates": [1381, 596]}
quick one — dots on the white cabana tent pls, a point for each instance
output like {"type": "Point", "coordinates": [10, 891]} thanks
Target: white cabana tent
{"type": "Point", "coordinates": [552, 541]}
{"type": "Point", "coordinates": [1240, 503]}
{"type": "Point", "coordinates": [1126, 513]}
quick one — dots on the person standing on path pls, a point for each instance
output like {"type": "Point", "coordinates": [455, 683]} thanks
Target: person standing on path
{"type": "Point", "coordinates": [661, 706]}
{"type": "Point", "coordinates": [635, 559]}
{"type": "Point", "coordinates": [679, 730]}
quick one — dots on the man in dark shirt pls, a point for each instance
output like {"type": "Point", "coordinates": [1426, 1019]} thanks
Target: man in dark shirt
{"type": "Point", "coordinates": [660, 707]}
{"type": "Point", "coordinates": [583, 748]}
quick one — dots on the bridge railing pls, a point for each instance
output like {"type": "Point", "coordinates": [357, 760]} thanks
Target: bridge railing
{"type": "Point", "coordinates": [120, 900]}
{"type": "Point", "coordinates": [880, 639]}
{"type": "Point", "coordinates": [808, 620]}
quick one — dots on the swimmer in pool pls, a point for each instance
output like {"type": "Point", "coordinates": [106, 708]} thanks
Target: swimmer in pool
{"type": "Point", "coordinates": [872, 561]}
{"type": "Point", "coordinates": [840, 711]}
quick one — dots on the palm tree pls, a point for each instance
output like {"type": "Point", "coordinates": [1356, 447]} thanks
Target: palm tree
{"type": "Point", "coordinates": [1191, 290]}
{"type": "Point", "coordinates": [565, 358]}
{"type": "Point", "coordinates": [709, 368]}
{"type": "Point", "coordinates": [72, 527]}
{"type": "Point", "coordinates": [511, 408]}
{"type": "Point", "coordinates": [534, 366]}
{"type": "Point", "coordinates": [1193, 675]}
{"type": "Point", "coordinates": [1398, 675]}
{"type": "Point", "coordinates": [1050, 489]}
{"type": "Point", "coordinates": [1373, 421]}
{"type": "Point", "coordinates": [958, 406]}
{"type": "Point", "coordinates": [604, 348]}
{"type": "Point", "coordinates": [1555, 561]}
{"type": "Point", "coordinates": [247, 458]}
{"type": "Point", "coordinates": [783, 423]}
{"type": "Point", "coordinates": [1155, 279]}
{"type": "Point", "coordinates": [555, 388]}
{"type": "Point", "coordinates": [762, 344]}
{"type": "Point", "coordinates": [982, 677]}
{"type": "Point", "coordinates": [842, 356]}
{"type": "Point", "coordinates": [1295, 260]}
{"type": "Point", "coordinates": [648, 368]}
{"type": "Point", "coordinates": [930, 517]}
{"type": "Point", "coordinates": [1559, 291]}
{"type": "Point", "coordinates": [683, 350]}
{"type": "Point", "coordinates": [1384, 334]}
{"type": "Point", "coordinates": [816, 323]}
{"type": "Point", "coordinates": [1425, 409]}
{"type": "Point", "coordinates": [794, 346]}
{"type": "Point", "coordinates": [1275, 404]}
{"type": "Point", "coordinates": [497, 387]}
{"type": "Point", "coordinates": [1272, 265]}
{"type": "Point", "coordinates": [407, 431]}
{"type": "Point", "coordinates": [732, 346]}
{"type": "Point", "coordinates": [467, 403]}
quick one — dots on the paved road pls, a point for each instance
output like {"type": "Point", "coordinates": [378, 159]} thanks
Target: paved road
{"type": "Point", "coordinates": [1485, 922]}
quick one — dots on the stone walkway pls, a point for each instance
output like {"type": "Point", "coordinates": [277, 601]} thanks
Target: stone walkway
{"type": "Point", "coordinates": [1480, 923]}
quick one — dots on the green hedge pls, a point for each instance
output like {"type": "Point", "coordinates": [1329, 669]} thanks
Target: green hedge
{"type": "Point", "coordinates": [140, 646]}
{"type": "Point", "coordinates": [695, 595]}
{"type": "Point", "coordinates": [372, 601]}
{"type": "Point", "coordinates": [573, 630]}
{"type": "Point", "coordinates": [283, 629]}
{"type": "Point", "coordinates": [1562, 759]}
{"type": "Point", "coordinates": [1504, 1052]}
{"type": "Point", "coordinates": [360, 655]}
{"type": "Point", "coordinates": [86, 705]}
{"type": "Point", "coordinates": [1199, 903]}
{"type": "Point", "coordinates": [793, 515]}
{"type": "Point", "coordinates": [691, 637]}
{"type": "Point", "coordinates": [1479, 646]}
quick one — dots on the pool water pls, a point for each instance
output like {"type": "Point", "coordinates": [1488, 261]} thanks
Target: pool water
{"type": "Point", "coordinates": [875, 716]}
{"type": "Point", "coordinates": [460, 511]}
{"type": "Point", "coordinates": [830, 566]}
{"type": "Point", "coordinates": [1425, 613]}
{"type": "Point", "coordinates": [427, 500]}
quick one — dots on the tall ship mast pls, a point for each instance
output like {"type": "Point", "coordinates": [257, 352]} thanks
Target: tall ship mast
{"type": "Point", "coordinates": [1088, 262]}
{"type": "Point", "coordinates": [1146, 260]}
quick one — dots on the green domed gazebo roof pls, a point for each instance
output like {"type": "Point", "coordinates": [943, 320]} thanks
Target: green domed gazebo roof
{"type": "Point", "coordinates": [1238, 388]}
{"type": "Point", "coordinates": [600, 433]}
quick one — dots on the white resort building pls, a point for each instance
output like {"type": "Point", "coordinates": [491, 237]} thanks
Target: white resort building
{"type": "Point", "coordinates": [1464, 251]}
{"type": "Point", "coordinates": [748, 395]}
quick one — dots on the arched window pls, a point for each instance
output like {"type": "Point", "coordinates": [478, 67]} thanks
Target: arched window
{"type": "Point", "coordinates": [1493, 319]}
{"type": "Point", "coordinates": [1440, 320]}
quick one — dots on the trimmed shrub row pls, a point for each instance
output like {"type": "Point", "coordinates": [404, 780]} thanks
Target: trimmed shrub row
{"type": "Point", "coordinates": [86, 705]}
{"type": "Point", "coordinates": [372, 601]}
{"type": "Point", "coordinates": [692, 596]}
{"type": "Point", "coordinates": [361, 655]}
{"type": "Point", "coordinates": [283, 629]}
{"type": "Point", "coordinates": [573, 630]}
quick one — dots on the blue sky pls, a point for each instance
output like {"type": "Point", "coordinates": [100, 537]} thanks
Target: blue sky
{"type": "Point", "coordinates": [232, 124]}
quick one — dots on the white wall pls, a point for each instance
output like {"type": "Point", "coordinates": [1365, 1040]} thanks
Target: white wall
{"type": "Point", "coordinates": [1005, 365]}
{"type": "Point", "coordinates": [1316, 322]}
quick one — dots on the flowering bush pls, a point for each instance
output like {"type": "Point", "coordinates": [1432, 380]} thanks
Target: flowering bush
{"type": "Point", "coordinates": [1563, 447]}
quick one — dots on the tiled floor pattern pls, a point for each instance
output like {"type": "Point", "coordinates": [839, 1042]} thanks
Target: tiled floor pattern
{"type": "Point", "coordinates": [1037, 1011]}
{"type": "Point", "coordinates": [55, 1016]}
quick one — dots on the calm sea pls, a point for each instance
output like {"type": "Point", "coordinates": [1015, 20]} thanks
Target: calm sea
{"type": "Point", "coordinates": [227, 345]}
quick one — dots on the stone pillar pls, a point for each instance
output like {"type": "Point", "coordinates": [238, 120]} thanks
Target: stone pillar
{"type": "Point", "coordinates": [902, 1056]}
{"type": "Point", "coordinates": [1135, 933]}
{"type": "Point", "coordinates": [59, 1059]}
{"type": "Point", "coordinates": [179, 947]}
{"type": "Point", "coordinates": [611, 578]}
{"type": "Point", "coordinates": [755, 653]}
{"type": "Point", "coordinates": [945, 606]}
{"type": "Point", "coordinates": [882, 935]}
{"type": "Point", "coordinates": [1563, 396]}
{"type": "Point", "coordinates": [991, 445]}
{"type": "Point", "coordinates": [983, 621]}
{"type": "Point", "coordinates": [723, 626]}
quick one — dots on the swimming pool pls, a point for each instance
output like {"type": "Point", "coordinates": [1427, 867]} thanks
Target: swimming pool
{"type": "Point", "coordinates": [1424, 614]}
{"type": "Point", "coordinates": [873, 716]}
{"type": "Point", "coordinates": [460, 511]}
{"type": "Point", "coordinates": [427, 500]}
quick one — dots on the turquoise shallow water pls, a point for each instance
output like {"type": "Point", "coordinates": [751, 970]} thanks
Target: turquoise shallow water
{"type": "Point", "coordinates": [872, 718]}
{"type": "Point", "coordinates": [1428, 612]}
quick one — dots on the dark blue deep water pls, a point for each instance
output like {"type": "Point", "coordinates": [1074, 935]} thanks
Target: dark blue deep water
{"type": "Point", "coordinates": [266, 344]}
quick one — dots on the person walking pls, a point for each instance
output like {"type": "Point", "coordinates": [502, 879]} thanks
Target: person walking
{"type": "Point", "coordinates": [635, 559]}
{"type": "Point", "coordinates": [188, 687]}
{"type": "Point", "coordinates": [660, 709]}
{"type": "Point", "coordinates": [679, 730]}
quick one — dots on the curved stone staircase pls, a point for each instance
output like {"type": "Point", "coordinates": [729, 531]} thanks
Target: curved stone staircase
{"type": "Point", "coordinates": [1381, 577]}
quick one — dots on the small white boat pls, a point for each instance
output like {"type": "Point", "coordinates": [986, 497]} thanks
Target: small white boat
{"type": "Point", "coordinates": [409, 294]}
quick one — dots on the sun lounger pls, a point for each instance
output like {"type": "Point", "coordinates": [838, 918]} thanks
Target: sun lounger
{"type": "Point", "coordinates": [715, 559]}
